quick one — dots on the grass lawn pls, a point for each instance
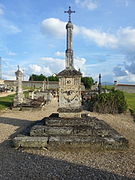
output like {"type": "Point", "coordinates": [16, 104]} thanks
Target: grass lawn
{"type": "Point", "coordinates": [6, 102]}
{"type": "Point", "coordinates": [130, 97]}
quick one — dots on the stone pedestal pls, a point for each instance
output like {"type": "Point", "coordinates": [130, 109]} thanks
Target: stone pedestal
{"type": "Point", "coordinates": [71, 134]}
{"type": "Point", "coordinates": [69, 93]}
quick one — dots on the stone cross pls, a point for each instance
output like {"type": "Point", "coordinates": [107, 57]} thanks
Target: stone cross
{"type": "Point", "coordinates": [69, 51]}
{"type": "Point", "coordinates": [69, 12]}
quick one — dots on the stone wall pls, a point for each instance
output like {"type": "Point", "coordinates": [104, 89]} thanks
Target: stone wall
{"type": "Point", "coordinates": [37, 84]}
{"type": "Point", "coordinates": [126, 88]}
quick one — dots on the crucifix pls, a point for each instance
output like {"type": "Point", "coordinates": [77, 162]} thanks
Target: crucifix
{"type": "Point", "coordinates": [69, 12]}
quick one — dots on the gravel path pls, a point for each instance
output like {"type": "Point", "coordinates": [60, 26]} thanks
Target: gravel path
{"type": "Point", "coordinates": [3, 94]}
{"type": "Point", "coordinates": [34, 164]}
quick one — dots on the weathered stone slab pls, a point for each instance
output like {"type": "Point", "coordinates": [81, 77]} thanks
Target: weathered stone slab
{"type": "Point", "coordinates": [46, 130]}
{"type": "Point", "coordinates": [52, 121]}
{"type": "Point", "coordinates": [72, 134]}
{"type": "Point", "coordinates": [87, 143]}
{"type": "Point", "coordinates": [40, 130]}
{"type": "Point", "coordinates": [31, 142]}
{"type": "Point", "coordinates": [119, 143]}
{"type": "Point", "coordinates": [69, 115]}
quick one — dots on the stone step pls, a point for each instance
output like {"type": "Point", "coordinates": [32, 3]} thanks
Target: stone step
{"type": "Point", "coordinates": [30, 142]}
{"type": "Point", "coordinates": [42, 130]}
{"type": "Point", "coordinates": [71, 143]}
{"type": "Point", "coordinates": [86, 121]}
{"type": "Point", "coordinates": [89, 143]}
{"type": "Point", "coordinates": [57, 133]}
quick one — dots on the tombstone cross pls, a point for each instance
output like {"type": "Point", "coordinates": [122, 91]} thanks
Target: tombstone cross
{"type": "Point", "coordinates": [69, 12]}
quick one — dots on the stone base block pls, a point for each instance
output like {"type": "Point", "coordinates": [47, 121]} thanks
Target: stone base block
{"type": "Point", "coordinates": [43, 131]}
{"type": "Point", "coordinates": [46, 131]}
{"type": "Point", "coordinates": [86, 143]}
{"type": "Point", "coordinates": [70, 115]}
{"type": "Point", "coordinates": [71, 143]}
{"type": "Point", "coordinates": [30, 142]}
{"type": "Point", "coordinates": [56, 133]}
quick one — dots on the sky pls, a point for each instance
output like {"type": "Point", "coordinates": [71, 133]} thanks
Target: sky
{"type": "Point", "coordinates": [33, 36]}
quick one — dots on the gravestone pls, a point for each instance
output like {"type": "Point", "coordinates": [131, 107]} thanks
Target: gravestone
{"type": "Point", "coordinates": [19, 97]}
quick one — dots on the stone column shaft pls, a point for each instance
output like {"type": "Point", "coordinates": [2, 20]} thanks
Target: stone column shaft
{"type": "Point", "coordinates": [69, 51]}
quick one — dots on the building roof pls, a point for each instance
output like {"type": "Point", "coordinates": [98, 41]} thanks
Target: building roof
{"type": "Point", "coordinates": [131, 85]}
{"type": "Point", "coordinates": [69, 73]}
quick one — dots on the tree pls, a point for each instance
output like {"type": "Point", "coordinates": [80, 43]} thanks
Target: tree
{"type": "Point", "coordinates": [87, 81]}
{"type": "Point", "coordinates": [53, 78]}
{"type": "Point", "coordinates": [35, 77]}
{"type": "Point", "coordinates": [41, 77]}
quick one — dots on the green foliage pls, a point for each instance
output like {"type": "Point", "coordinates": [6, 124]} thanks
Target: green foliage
{"type": "Point", "coordinates": [35, 77]}
{"type": "Point", "coordinates": [108, 87]}
{"type": "Point", "coordinates": [130, 98]}
{"type": "Point", "coordinates": [6, 102]}
{"type": "Point", "coordinates": [113, 102]}
{"type": "Point", "coordinates": [26, 94]}
{"type": "Point", "coordinates": [87, 81]}
{"type": "Point", "coordinates": [53, 78]}
{"type": "Point", "coordinates": [41, 77]}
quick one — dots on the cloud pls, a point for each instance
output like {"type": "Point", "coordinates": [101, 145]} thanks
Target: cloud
{"type": "Point", "coordinates": [118, 71]}
{"type": "Point", "coordinates": [126, 39]}
{"type": "Point", "coordinates": [49, 65]}
{"type": "Point", "coordinates": [55, 64]}
{"type": "Point", "coordinates": [38, 69]}
{"type": "Point", "coordinates": [123, 2]}
{"type": "Point", "coordinates": [80, 63]}
{"type": "Point", "coordinates": [131, 68]}
{"type": "Point", "coordinates": [55, 27]}
{"type": "Point", "coordinates": [34, 68]}
{"type": "Point", "coordinates": [1, 9]}
{"type": "Point", "coordinates": [89, 4]}
{"type": "Point", "coordinates": [123, 39]}
{"type": "Point", "coordinates": [60, 54]}
{"type": "Point", "coordinates": [100, 38]}
{"type": "Point", "coordinates": [10, 53]}
{"type": "Point", "coordinates": [130, 79]}
{"type": "Point", "coordinates": [8, 27]}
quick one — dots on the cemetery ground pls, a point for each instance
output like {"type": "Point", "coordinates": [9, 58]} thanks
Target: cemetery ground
{"type": "Point", "coordinates": [44, 164]}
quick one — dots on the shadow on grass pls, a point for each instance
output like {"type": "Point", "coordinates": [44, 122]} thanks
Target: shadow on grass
{"type": "Point", "coordinates": [6, 102]}
{"type": "Point", "coordinates": [15, 164]}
